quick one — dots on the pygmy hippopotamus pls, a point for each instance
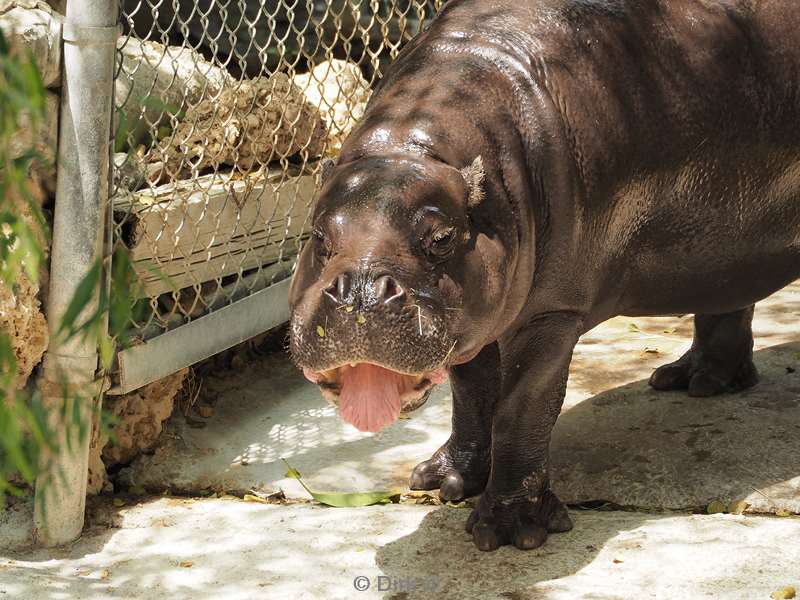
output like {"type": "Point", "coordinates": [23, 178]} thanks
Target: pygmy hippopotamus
{"type": "Point", "coordinates": [526, 170]}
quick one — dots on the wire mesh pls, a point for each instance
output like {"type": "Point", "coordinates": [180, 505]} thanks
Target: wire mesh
{"type": "Point", "coordinates": [223, 109]}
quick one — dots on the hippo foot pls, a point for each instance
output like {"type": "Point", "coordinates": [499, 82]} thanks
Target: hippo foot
{"type": "Point", "coordinates": [457, 474]}
{"type": "Point", "coordinates": [524, 523]}
{"type": "Point", "coordinates": [703, 380]}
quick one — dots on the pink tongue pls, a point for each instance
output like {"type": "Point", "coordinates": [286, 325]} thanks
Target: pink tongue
{"type": "Point", "coordinates": [370, 397]}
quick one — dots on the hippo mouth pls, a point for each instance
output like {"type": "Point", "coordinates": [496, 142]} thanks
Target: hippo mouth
{"type": "Point", "coordinates": [371, 396]}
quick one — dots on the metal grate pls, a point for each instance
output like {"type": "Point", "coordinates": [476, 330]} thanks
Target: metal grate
{"type": "Point", "coordinates": [223, 109]}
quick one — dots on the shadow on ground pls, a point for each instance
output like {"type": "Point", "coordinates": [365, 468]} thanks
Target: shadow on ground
{"type": "Point", "coordinates": [607, 556]}
{"type": "Point", "coordinates": [654, 450]}
{"type": "Point", "coordinates": [639, 448]}
{"type": "Point", "coordinates": [628, 444]}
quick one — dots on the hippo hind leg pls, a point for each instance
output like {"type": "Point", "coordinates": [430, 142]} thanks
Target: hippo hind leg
{"type": "Point", "coordinates": [720, 359]}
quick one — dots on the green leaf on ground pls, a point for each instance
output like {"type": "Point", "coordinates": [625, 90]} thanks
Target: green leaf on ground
{"type": "Point", "coordinates": [716, 507]}
{"type": "Point", "coordinates": [344, 499]}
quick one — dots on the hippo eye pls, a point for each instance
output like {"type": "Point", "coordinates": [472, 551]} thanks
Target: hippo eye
{"type": "Point", "coordinates": [441, 241]}
{"type": "Point", "coordinates": [321, 242]}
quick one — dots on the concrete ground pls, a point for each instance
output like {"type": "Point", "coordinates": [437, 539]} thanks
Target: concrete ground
{"type": "Point", "coordinates": [617, 444]}
{"type": "Point", "coordinates": [233, 550]}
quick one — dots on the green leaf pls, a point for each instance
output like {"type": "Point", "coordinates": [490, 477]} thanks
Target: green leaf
{"type": "Point", "coordinates": [292, 472]}
{"type": "Point", "coordinates": [83, 295]}
{"type": "Point", "coordinates": [355, 499]}
{"type": "Point", "coordinates": [106, 346]}
{"type": "Point", "coordinates": [344, 499]}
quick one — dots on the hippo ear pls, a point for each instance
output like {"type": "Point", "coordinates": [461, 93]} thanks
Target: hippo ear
{"type": "Point", "coordinates": [325, 168]}
{"type": "Point", "coordinates": [474, 175]}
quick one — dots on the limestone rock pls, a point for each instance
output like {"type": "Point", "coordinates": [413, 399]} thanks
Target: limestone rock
{"type": "Point", "coordinates": [22, 319]}
{"type": "Point", "coordinates": [340, 92]}
{"type": "Point", "coordinates": [43, 137]}
{"type": "Point", "coordinates": [21, 315]}
{"type": "Point", "coordinates": [156, 81]}
{"type": "Point", "coordinates": [132, 172]}
{"type": "Point", "coordinates": [31, 25]}
{"type": "Point", "coordinates": [140, 415]}
{"type": "Point", "coordinates": [251, 123]}
{"type": "Point", "coordinates": [97, 469]}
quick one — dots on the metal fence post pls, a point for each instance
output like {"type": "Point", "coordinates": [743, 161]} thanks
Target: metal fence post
{"type": "Point", "coordinates": [90, 34]}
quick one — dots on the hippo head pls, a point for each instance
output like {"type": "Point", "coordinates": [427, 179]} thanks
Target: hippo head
{"type": "Point", "coordinates": [385, 290]}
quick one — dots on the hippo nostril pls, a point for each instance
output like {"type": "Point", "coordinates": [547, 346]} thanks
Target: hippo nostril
{"type": "Point", "coordinates": [339, 289]}
{"type": "Point", "coordinates": [388, 290]}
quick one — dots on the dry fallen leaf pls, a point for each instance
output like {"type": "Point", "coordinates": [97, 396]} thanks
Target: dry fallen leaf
{"type": "Point", "coordinates": [186, 564]}
{"type": "Point", "coordinates": [252, 498]}
{"type": "Point", "coordinates": [785, 593]}
{"type": "Point", "coordinates": [737, 507]}
{"type": "Point", "coordinates": [716, 507]}
{"type": "Point", "coordinates": [205, 411]}
{"type": "Point", "coordinates": [238, 361]}
{"type": "Point", "coordinates": [782, 512]}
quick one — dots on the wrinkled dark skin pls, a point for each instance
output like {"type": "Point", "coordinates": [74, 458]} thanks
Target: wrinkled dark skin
{"type": "Point", "coordinates": [641, 158]}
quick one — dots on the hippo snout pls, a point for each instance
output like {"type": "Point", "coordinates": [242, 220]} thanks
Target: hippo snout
{"type": "Point", "coordinates": [368, 290]}
{"type": "Point", "coordinates": [374, 345]}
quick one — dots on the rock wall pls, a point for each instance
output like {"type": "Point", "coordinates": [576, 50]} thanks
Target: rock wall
{"type": "Point", "coordinates": [21, 316]}
{"type": "Point", "coordinates": [22, 319]}
{"type": "Point", "coordinates": [249, 124]}
{"type": "Point", "coordinates": [139, 417]}
{"type": "Point", "coordinates": [31, 26]}
{"type": "Point", "coordinates": [340, 93]}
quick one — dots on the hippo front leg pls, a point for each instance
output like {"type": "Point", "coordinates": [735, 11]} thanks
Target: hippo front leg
{"type": "Point", "coordinates": [460, 468]}
{"type": "Point", "coordinates": [517, 506]}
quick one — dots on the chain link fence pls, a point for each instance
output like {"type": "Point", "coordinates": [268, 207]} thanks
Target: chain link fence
{"type": "Point", "coordinates": [223, 110]}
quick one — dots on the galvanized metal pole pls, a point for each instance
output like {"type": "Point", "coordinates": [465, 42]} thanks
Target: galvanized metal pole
{"type": "Point", "coordinates": [90, 34]}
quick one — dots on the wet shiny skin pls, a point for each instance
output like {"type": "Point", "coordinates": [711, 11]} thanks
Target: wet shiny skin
{"type": "Point", "coordinates": [640, 158]}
